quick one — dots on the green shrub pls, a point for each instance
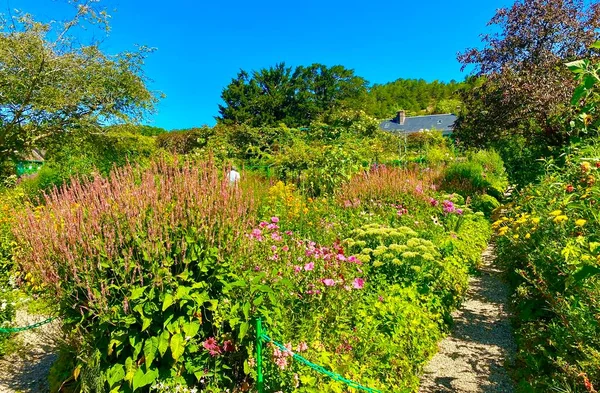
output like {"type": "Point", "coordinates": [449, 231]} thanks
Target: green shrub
{"type": "Point", "coordinates": [184, 141]}
{"type": "Point", "coordinates": [549, 239]}
{"type": "Point", "coordinates": [484, 203]}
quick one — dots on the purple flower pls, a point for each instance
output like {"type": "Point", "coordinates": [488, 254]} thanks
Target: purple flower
{"type": "Point", "coordinates": [275, 219]}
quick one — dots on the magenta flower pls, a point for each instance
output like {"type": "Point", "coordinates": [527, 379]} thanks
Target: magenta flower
{"type": "Point", "coordinates": [459, 211]}
{"type": "Point", "coordinates": [263, 224]}
{"type": "Point", "coordinates": [433, 202]}
{"type": "Point", "coordinates": [328, 282]}
{"type": "Point", "coordinates": [275, 219]}
{"type": "Point", "coordinates": [358, 283]}
{"type": "Point", "coordinates": [352, 259]}
{"type": "Point", "coordinates": [309, 266]}
{"type": "Point", "coordinates": [211, 346]}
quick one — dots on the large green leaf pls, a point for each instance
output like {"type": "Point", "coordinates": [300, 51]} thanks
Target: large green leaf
{"type": "Point", "coordinates": [150, 349]}
{"type": "Point", "coordinates": [115, 375]}
{"type": "Point", "coordinates": [163, 342]}
{"type": "Point", "coordinates": [141, 379]}
{"type": "Point", "coordinates": [177, 346]}
{"type": "Point", "coordinates": [167, 301]}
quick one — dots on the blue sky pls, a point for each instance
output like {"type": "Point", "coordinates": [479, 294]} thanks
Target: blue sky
{"type": "Point", "coordinates": [200, 45]}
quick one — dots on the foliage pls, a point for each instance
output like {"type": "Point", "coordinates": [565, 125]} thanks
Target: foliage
{"type": "Point", "coordinates": [521, 88]}
{"type": "Point", "coordinates": [549, 238]}
{"type": "Point", "coordinates": [294, 97]}
{"type": "Point", "coordinates": [184, 141]}
{"type": "Point", "coordinates": [482, 172]}
{"type": "Point", "coordinates": [417, 97]}
{"type": "Point", "coordinates": [485, 203]}
{"type": "Point", "coordinates": [52, 85]}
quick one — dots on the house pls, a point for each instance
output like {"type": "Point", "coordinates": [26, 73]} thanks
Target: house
{"type": "Point", "coordinates": [30, 163]}
{"type": "Point", "coordinates": [408, 125]}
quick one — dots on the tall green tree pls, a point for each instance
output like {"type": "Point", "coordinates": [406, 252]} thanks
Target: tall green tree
{"type": "Point", "coordinates": [51, 85]}
{"type": "Point", "coordinates": [295, 97]}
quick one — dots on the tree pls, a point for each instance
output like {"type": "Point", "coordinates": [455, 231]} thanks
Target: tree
{"type": "Point", "coordinates": [50, 85]}
{"type": "Point", "coordinates": [294, 97]}
{"type": "Point", "coordinates": [520, 86]}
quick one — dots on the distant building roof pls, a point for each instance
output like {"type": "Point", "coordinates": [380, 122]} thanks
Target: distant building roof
{"type": "Point", "coordinates": [400, 123]}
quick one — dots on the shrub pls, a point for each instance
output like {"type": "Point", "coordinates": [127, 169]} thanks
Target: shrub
{"type": "Point", "coordinates": [484, 203]}
{"type": "Point", "coordinates": [131, 266]}
{"type": "Point", "coordinates": [548, 238]}
{"type": "Point", "coordinates": [184, 141]}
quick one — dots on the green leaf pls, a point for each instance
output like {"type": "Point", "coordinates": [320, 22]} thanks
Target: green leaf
{"type": "Point", "coordinates": [146, 323]}
{"type": "Point", "coordinates": [150, 348]}
{"type": "Point", "coordinates": [243, 330]}
{"type": "Point", "coordinates": [576, 66]}
{"type": "Point", "coordinates": [163, 342]}
{"type": "Point", "coordinates": [141, 379]}
{"type": "Point", "coordinates": [586, 272]}
{"type": "Point", "coordinates": [115, 375]}
{"type": "Point", "coordinates": [191, 329]}
{"type": "Point", "coordinates": [167, 301]}
{"type": "Point", "coordinates": [137, 292]}
{"type": "Point", "coordinates": [177, 346]}
{"type": "Point", "coordinates": [595, 45]}
{"type": "Point", "coordinates": [129, 369]}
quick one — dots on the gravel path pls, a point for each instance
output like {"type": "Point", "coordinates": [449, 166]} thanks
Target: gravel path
{"type": "Point", "coordinates": [473, 357]}
{"type": "Point", "coordinates": [26, 370]}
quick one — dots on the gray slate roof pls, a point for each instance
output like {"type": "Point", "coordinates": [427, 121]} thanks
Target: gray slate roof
{"type": "Point", "coordinates": [444, 123]}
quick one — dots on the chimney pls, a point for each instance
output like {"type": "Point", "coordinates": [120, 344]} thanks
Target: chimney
{"type": "Point", "coordinates": [401, 117]}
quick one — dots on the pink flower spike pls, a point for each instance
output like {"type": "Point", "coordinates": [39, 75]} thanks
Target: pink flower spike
{"type": "Point", "coordinates": [358, 283]}
{"type": "Point", "coordinates": [328, 282]}
{"type": "Point", "coordinates": [275, 219]}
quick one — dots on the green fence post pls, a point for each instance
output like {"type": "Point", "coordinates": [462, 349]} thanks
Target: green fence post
{"type": "Point", "coordinates": [259, 375]}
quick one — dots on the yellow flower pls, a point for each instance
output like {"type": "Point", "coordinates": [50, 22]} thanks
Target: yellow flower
{"type": "Point", "coordinates": [503, 231]}
{"type": "Point", "coordinates": [581, 222]}
{"type": "Point", "coordinates": [536, 220]}
{"type": "Point", "coordinates": [527, 236]}
{"type": "Point", "coordinates": [516, 236]}
{"type": "Point", "coordinates": [556, 213]}
{"type": "Point", "coordinates": [561, 218]}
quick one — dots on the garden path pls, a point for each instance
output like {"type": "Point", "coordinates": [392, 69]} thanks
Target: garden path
{"type": "Point", "coordinates": [473, 357]}
{"type": "Point", "coordinates": [26, 370]}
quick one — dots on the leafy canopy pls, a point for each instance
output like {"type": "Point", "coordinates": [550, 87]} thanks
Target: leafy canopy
{"type": "Point", "coordinates": [50, 84]}
{"type": "Point", "coordinates": [520, 84]}
{"type": "Point", "coordinates": [295, 97]}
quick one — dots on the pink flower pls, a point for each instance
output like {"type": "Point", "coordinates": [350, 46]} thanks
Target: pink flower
{"type": "Point", "coordinates": [211, 346]}
{"type": "Point", "coordinates": [352, 259]}
{"type": "Point", "coordinates": [273, 248]}
{"type": "Point", "coordinates": [275, 257]}
{"type": "Point", "coordinates": [263, 224]}
{"type": "Point", "coordinates": [433, 202]}
{"type": "Point", "coordinates": [358, 283]}
{"type": "Point", "coordinates": [297, 269]}
{"type": "Point", "coordinates": [275, 236]}
{"type": "Point", "coordinates": [285, 248]}
{"type": "Point", "coordinates": [347, 204]}
{"type": "Point", "coordinates": [302, 347]}
{"type": "Point", "coordinates": [341, 257]}
{"type": "Point", "coordinates": [328, 282]}
{"type": "Point", "coordinates": [289, 233]}
{"type": "Point", "coordinates": [275, 219]}
{"type": "Point", "coordinates": [309, 266]}
{"type": "Point", "coordinates": [272, 227]}
{"type": "Point", "coordinates": [419, 189]}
